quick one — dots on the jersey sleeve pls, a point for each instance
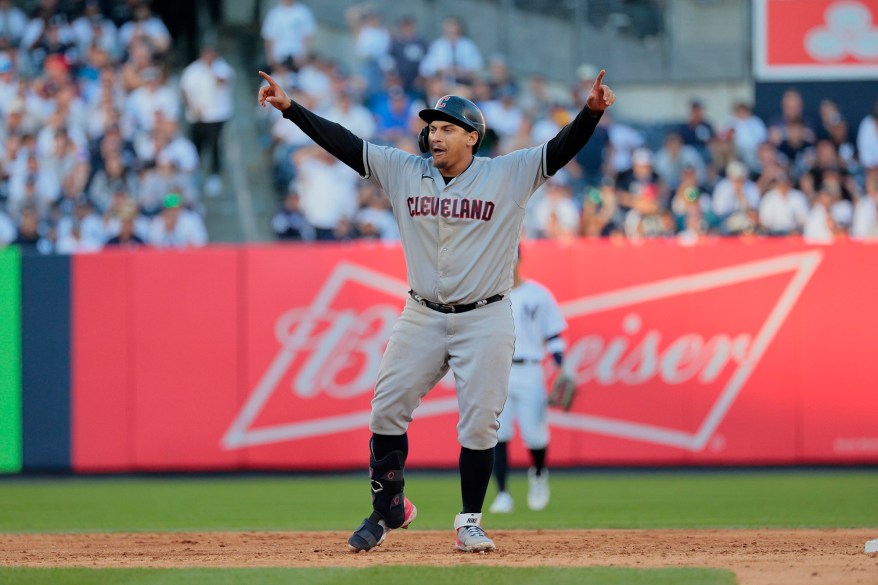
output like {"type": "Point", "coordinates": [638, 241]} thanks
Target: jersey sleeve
{"type": "Point", "coordinates": [526, 168]}
{"type": "Point", "coordinates": [391, 169]}
{"type": "Point", "coordinates": [553, 323]}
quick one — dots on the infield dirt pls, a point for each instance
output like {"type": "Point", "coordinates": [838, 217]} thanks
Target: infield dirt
{"type": "Point", "coordinates": [757, 557]}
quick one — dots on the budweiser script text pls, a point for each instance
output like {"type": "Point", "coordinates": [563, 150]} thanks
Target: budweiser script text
{"type": "Point", "coordinates": [338, 352]}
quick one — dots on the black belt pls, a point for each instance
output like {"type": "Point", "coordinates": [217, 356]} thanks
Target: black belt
{"type": "Point", "coordinates": [443, 308]}
{"type": "Point", "coordinates": [524, 361]}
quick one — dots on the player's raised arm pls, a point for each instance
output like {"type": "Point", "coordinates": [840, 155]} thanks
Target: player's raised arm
{"type": "Point", "coordinates": [572, 137]}
{"type": "Point", "coordinates": [334, 138]}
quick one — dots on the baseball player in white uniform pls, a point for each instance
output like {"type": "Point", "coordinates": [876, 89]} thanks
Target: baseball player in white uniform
{"type": "Point", "coordinates": [459, 218]}
{"type": "Point", "coordinates": [538, 328]}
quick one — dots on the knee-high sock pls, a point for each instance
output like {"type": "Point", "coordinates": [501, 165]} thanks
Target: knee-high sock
{"type": "Point", "coordinates": [501, 465]}
{"type": "Point", "coordinates": [381, 445]}
{"type": "Point", "coordinates": [475, 475]}
{"type": "Point", "coordinates": [539, 459]}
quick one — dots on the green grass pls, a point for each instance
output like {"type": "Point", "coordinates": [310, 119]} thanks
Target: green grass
{"type": "Point", "coordinates": [382, 575]}
{"type": "Point", "coordinates": [832, 498]}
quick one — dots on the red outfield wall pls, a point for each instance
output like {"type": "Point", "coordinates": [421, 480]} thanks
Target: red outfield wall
{"type": "Point", "coordinates": [731, 352]}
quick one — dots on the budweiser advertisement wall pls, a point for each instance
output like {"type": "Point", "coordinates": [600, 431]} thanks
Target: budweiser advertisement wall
{"type": "Point", "coordinates": [733, 352]}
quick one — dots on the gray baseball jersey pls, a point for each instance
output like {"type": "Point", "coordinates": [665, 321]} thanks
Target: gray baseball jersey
{"type": "Point", "coordinates": [460, 241]}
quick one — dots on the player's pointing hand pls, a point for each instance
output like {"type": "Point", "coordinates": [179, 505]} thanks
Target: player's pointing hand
{"type": "Point", "coordinates": [601, 96]}
{"type": "Point", "coordinates": [273, 94]}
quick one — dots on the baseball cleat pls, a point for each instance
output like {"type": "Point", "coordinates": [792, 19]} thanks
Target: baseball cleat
{"type": "Point", "coordinates": [538, 489]}
{"type": "Point", "coordinates": [371, 534]}
{"type": "Point", "coordinates": [470, 536]}
{"type": "Point", "coordinates": [502, 504]}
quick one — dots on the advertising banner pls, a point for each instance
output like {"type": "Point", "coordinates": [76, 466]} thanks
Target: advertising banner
{"type": "Point", "coordinates": [815, 39]}
{"type": "Point", "coordinates": [728, 353]}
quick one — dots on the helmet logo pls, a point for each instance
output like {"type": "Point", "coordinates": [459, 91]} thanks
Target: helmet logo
{"type": "Point", "coordinates": [442, 102]}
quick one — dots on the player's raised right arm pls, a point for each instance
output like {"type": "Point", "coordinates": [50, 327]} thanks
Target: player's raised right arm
{"type": "Point", "coordinates": [334, 138]}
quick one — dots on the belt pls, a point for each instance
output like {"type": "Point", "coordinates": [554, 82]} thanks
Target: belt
{"type": "Point", "coordinates": [443, 308]}
{"type": "Point", "coordinates": [524, 361]}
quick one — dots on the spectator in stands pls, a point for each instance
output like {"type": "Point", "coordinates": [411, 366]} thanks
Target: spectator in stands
{"type": "Point", "coordinates": [504, 113]}
{"type": "Point", "coordinates": [453, 55]}
{"type": "Point", "coordinates": [350, 113]}
{"type": "Point", "coordinates": [795, 145]}
{"type": "Point", "coordinates": [46, 35]}
{"type": "Point", "coordinates": [31, 237]}
{"type": "Point", "coordinates": [695, 226]}
{"type": "Point", "coordinates": [601, 214]}
{"type": "Point", "coordinates": [114, 177]}
{"type": "Point", "coordinates": [286, 140]}
{"type": "Point", "coordinates": [688, 194]}
{"type": "Point", "coordinates": [31, 184]}
{"type": "Point", "coordinates": [499, 78]}
{"type": "Point", "coordinates": [154, 96]}
{"type": "Point", "coordinates": [407, 50]}
{"type": "Point", "coordinates": [371, 47]}
{"type": "Point", "coordinates": [289, 223]}
{"type": "Point", "coordinates": [315, 77]}
{"type": "Point", "coordinates": [7, 229]}
{"type": "Point", "coordinates": [13, 22]}
{"type": "Point", "coordinates": [140, 61]}
{"type": "Point", "coordinates": [592, 158]}
{"type": "Point", "coordinates": [207, 89]}
{"type": "Point", "coordinates": [640, 178]}
{"type": "Point", "coordinates": [327, 188]}
{"type": "Point", "coordinates": [696, 131]}
{"type": "Point", "coordinates": [769, 162]}
{"type": "Point", "coordinates": [735, 201]}
{"type": "Point", "coordinates": [865, 218]}
{"type": "Point", "coordinates": [374, 219]}
{"type": "Point", "coordinates": [783, 210]}
{"type": "Point", "coordinates": [175, 226]}
{"type": "Point", "coordinates": [867, 139]}
{"type": "Point", "coordinates": [556, 214]}
{"type": "Point", "coordinates": [166, 140]}
{"type": "Point", "coordinates": [287, 32]}
{"type": "Point", "coordinates": [392, 109]}
{"type": "Point", "coordinates": [792, 111]}
{"type": "Point", "coordinates": [537, 97]}
{"type": "Point", "coordinates": [126, 232]}
{"type": "Point", "coordinates": [146, 27]}
{"type": "Point", "coordinates": [93, 30]}
{"type": "Point", "coordinates": [820, 227]}
{"type": "Point", "coordinates": [825, 160]}
{"type": "Point", "coordinates": [158, 181]}
{"type": "Point", "coordinates": [673, 156]}
{"type": "Point", "coordinates": [747, 131]}
{"type": "Point", "coordinates": [624, 140]}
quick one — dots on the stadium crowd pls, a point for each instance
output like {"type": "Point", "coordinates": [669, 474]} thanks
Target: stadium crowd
{"type": "Point", "coordinates": [92, 149]}
{"type": "Point", "coordinates": [788, 175]}
{"type": "Point", "coordinates": [105, 142]}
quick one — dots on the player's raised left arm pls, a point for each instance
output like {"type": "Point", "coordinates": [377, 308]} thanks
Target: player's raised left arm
{"type": "Point", "coordinates": [561, 149]}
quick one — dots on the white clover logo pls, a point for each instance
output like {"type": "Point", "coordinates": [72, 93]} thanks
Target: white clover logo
{"type": "Point", "coordinates": [848, 31]}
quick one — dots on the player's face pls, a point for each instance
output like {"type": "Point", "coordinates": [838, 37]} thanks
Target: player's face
{"type": "Point", "coordinates": [450, 145]}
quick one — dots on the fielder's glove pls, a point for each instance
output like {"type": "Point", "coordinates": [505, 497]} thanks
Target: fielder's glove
{"type": "Point", "coordinates": [563, 392]}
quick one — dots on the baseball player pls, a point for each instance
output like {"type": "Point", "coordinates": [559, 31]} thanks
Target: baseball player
{"type": "Point", "coordinates": [459, 218]}
{"type": "Point", "coordinates": [538, 328]}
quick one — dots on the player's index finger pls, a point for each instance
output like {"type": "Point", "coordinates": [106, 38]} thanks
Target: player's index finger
{"type": "Point", "coordinates": [600, 78]}
{"type": "Point", "coordinates": [268, 78]}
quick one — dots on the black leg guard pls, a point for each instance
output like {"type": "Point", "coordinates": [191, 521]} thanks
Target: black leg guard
{"type": "Point", "coordinates": [387, 485]}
